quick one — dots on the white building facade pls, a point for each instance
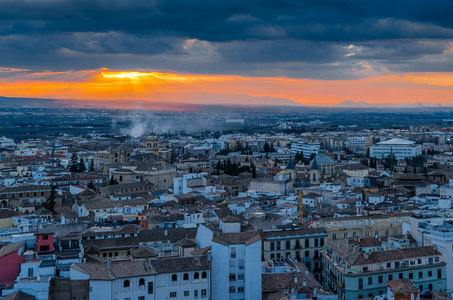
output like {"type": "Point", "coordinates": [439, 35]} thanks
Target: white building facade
{"type": "Point", "coordinates": [399, 147]}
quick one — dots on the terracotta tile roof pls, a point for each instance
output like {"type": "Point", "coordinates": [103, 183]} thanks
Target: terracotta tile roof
{"type": "Point", "coordinates": [180, 264]}
{"type": "Point", "coordinates": [402, 286]}
{"type": "Point", "coordinates": [246, 238]}
{"type": "Point", "coordinates": [100, 271]}
{"type": "Point", "coordinates": [143, 252]}
{"type": "Point", "coordinates": [293, 232]}
{"type": "Point", "coordinates": [186, 243]}
{"type": "Point", "coordinates": [112, 243]}
{"type": "Point", "coordinates": [167, 234]}
{"type": "Point", "coordinates": [11, 248]}
{"type": "Point", "coordinates": [126, 229]}
{"type": "Point", "coordinates": [400, 254]}
{"type": "Point", "coordinates": [202, 251]}
{"type": "Point", "coordinates": [19, 296]}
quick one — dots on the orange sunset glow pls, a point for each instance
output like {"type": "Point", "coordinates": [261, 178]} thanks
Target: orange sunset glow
{"type": "Point", "coordinates": [227, 89]}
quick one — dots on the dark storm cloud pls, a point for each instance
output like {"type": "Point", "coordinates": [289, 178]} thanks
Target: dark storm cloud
{"type": "Point", "coordinates": [53, 34]}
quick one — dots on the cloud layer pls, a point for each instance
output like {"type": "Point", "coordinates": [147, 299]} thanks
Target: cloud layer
{"type": "Point", "coordinates": [318, 39]}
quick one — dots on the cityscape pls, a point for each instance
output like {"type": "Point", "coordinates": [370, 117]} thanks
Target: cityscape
{"type": "Point", "coordinates": [226, 150]}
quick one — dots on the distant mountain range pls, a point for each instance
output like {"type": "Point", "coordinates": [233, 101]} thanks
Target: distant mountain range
{"type": "Point", "coordinates": [189, 101]}
{"type": "Point", "coordinates": [199, 101]}
{"type": "Point", "coordinates": [363, 104]}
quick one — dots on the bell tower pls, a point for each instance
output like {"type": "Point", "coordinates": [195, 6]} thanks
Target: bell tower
{"type": "Point", "coordinates": [152, 143]}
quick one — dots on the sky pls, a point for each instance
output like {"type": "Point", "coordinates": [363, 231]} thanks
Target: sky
{"type": "Point", "coordinates": [316, 52]}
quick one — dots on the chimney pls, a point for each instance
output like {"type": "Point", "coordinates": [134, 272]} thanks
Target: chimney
{"type": "Point", "coordinates": [109, 262]}
{"type": "Point", "coordinates": [166, 232]}
{"type": "Point", "coordinates": [366, 255]}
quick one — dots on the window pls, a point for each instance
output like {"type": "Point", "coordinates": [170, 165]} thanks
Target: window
{"type": "Point", "coordinates": [44, 248]}
{"type": "Point", "coordinates": [195, 294]}
{"type": "Point", "coordinates": [380, 279]}
{"type": "Point", "coordinates": [411, 275]}
{"type": "Point", "coordinates": [439, 273]}
{"type": "Point", "coordinates": [126, 283]}
{"type": "Point", "coordinates": [387, 232]}
{"type": "Point", "coordinates": [321, 241]}
{"type": "Point", "coordinates": [334, 236]}
{"type": "Point", "coordinates": [240, 289]}
{"type": "Point", "coordinates": [204, 275]}
{"type": "Point", "coordinates": [430, 260]}
{"type": "Point", "coordinates": [272, 246]}
{"type": "Point", "coordinates": [174, 277]}
{"type": "Point", "coordinates": [395, 232]}
{"type": "Point", "coordinates": [141, 298]}
{"type": "Point", "coordinates": [420, 275]}
{"type": "Point", "coordinates": [45, 237]}
{"type": "Point", "coordinates": [232, 277]}
{"type": "Point", "coordinates": [288, 244]}
{"type": "Point", "coordinates": [185, 276]}
{"type": "Point", "coordinates": [436, 259]}
{"type": "Point", "coordinates": [173, 295]}
{"type": "Point", "coordinates": [196, 276]}
{"type": "Point", "coordinates": [360, 283]}
{"type": "Point", "coordinates": [376, 233]}
{"type": "Point", "coordinates": [115, 254]}
{"type": "Point", "coordinates": [240, 276]}
{"type": "Point", "coordinates": [370, 280]}
{"type": "Point", "coordinates": [419, 261]}
{"type": "Point", "coordinates": [430, 273]}
{"type": "Point", "coordinates": [150, 287]}
{"type": "Point", "coordinates": [390, 277]}
{"type": "Point", "coordinates": [30, 272]}
{"type": "Point", "coordinates": [397, 264]}
{"type": "Point", "coordinates": [307, 253]}
{"type": "Point", "coordinates": [430, 287]}
{"type": "Point", "coordinates": [204, 293]}
{"type": "Point", "coordinates": [420, 287]}
{"type": "Point", "coordinates": [233, 252]}
{"type": "Point", "coordinates": [186, 293]}
{"type": "Point", "coordinates": [141, 282]}
{"type": "Point", "coordinates": [307, 243]}
{"type": "Point", "coordinates": [345, 235]}
{"type": "Point", "coordinates": [400, 275]}
{"type": "Point", "coordinates": [389, 265]}
{"type": "Point", "coordinates": [354, 234]}
{"type": "Point", "coordinates": [297, 246]}
{"type": "Point", "coordinates": [316, 243]}
{"type": "Point", "coordinates": [232, 289]}
{"type": "Point", "coordinates": [367, 234]}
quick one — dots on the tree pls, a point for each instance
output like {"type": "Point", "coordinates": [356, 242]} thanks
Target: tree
{"type": "Point", "coordinates": [253, 169]}
{"type": "Point", "coordinates": [92, 166]}
{"type": "Point", "coordinates": [90, 185]}
{"type": "Point", "coordinates": [299, 156]}
{"type": "Point", "coordinates": [50, 202]}
{"type": "Point", "coordinates": [73, 163]}
{"type": "Point", "coordinates": [266, 147]}
{"type": "Point", "coordinates": [112, 181]}
{"type": "Point", "coordinates": [81, 166]}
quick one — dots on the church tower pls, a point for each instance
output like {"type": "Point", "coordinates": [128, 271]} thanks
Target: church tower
{"type": "Point", "coordinates": [152, 143]}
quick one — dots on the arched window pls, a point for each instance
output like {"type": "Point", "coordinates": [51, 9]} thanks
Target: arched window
{"type": "Point", "coordinates": [204, 275]}
{"type": "Point", "coordinates": [196, 275]}
{"type": "Point", "coordinates": [126, 283]}
{"type": "Point", "coordinates": [141, 282]}
{"type": "Point", "coordinates": [174, 277]}
{"type": "Point", "coordinates": [186, 276]}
